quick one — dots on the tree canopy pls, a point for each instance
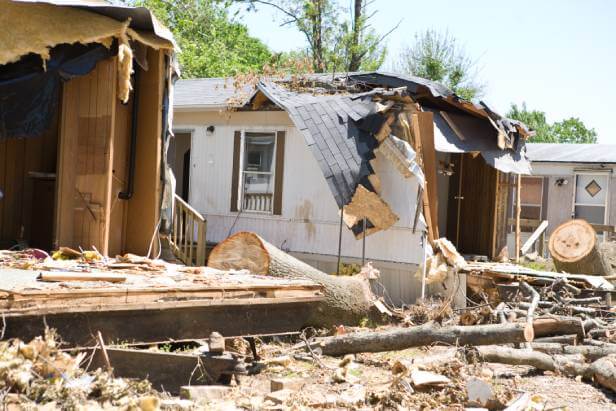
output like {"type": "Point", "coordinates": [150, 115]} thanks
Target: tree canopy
{"type": "Point", "coordinates": [213, 44]}
{"type": "Point", "coordinates": [336, 41]}
{"type": "Point", "coordinates": [570, 130]}
{"type": "Point", "coordinates": [439, 57]}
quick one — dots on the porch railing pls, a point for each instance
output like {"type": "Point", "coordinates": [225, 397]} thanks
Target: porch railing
{"type": "Point", "coordinates": [188, 237]}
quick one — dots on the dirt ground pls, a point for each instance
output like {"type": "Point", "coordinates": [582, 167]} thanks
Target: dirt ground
{"type": "Point", "coordinates": [369, 383]}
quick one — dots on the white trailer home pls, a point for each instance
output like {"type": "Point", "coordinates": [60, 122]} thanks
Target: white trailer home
{"type": "Point", "coordinates": [283, 159]}
{"type": "Point", "coordinates": [568, 181]}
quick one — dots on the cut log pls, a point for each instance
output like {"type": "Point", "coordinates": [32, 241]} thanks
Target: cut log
{"type": "Point", "coordinates": [348, 299]}
{"type": "Point", "coordinates": [545, 327]}
{"type": "Point", "coordinates": [423, 335]}
{"type": "Point", "coordinates": [575, 249]}
{"type": "Point", "coordinates": [603, 370]}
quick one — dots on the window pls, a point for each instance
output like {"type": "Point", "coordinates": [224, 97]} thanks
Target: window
{"type": "Point", "coordinates": [257, 174]}
{"type": "Point", "coordinates": [591, 194]}
{"type": "Point", "coordinates": [257, 177]}
{"type": "Point", "coordinates": [531, 200]}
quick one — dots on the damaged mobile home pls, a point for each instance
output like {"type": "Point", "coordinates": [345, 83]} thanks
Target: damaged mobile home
{"type": "Point", "coordinates": [85, 116]}
{"type": "Point", "coordinates": [399, 155]}
{"type": "Point", "coordinates": [86, 92]}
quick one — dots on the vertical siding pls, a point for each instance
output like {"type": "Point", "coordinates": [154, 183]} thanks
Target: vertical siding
{"type": "Point", "coordinates": [612, 202]}
{"type": "Point", "coordinates": [310, 221]}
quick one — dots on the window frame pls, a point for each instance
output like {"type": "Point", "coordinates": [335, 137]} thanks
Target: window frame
{"type": "Point", "coordinates": [242, 172]}
{"type": "Point", "coordinates": [606, 203]}
{"type": "Point", "coordinates": [540, 205]}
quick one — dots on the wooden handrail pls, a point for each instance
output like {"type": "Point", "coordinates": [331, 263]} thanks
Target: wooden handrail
{"type": "Point", "coordinates": [187, 220]}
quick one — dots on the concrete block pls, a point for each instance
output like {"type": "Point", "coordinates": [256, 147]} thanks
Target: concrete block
{"type": "Point", "coordinates": [204, 392]}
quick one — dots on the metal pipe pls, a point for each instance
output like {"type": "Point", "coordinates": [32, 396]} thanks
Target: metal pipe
{"type": "Point", "coordinates": [340, 241]}
{"type": "Point", "coordinates": [128, 194]}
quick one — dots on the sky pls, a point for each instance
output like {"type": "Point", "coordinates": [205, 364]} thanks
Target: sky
{"type": "Point", "coordinates": [558, 56]}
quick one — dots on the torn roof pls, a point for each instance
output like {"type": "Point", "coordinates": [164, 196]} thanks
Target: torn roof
{"type": "Point", "coordinates": [38, 26]}
{"type": "Point", "coordinates": [345, 118]}
{"type": "Point", "coordinates": [572, 153]}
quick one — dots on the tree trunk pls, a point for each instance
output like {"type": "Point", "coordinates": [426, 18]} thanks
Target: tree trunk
{"type": "Point", "coordinates": [575, 249]}
{"type": "Point", "coordinates": [355, 59]}
{"type": "Point", "coordinates": [567, 365]}
{"type": "Point", "coordinates": [602, 370]}
{"type": "Point", "coordinates": [423, 335]}
{"type": "Point", "coordinates": [348, 299]}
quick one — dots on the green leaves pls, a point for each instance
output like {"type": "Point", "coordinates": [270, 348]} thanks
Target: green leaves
{"type": "Point", "coordinates": [212, 43]}
{"type": "Point", "coordinates": [571, 130]}
{"type": "Point", "coordinates": [438, 56]}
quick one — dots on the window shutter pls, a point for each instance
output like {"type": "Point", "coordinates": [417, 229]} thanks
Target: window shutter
{"type": "Point", "coordinates": [280, 137]}
{"type": "Point", "coordinates": [235, 176]}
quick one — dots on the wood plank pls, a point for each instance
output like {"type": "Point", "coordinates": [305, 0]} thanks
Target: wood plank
{"type": "Point", "coordinates": [57, 277]}
{"type": "Point", "coordinates": [534, 237]}
{"type": "Point", "coordinates": [151, 325]}
{"type": "Point", "coordinates": [166, 371]}
{"type": "Point", "coordinates": [144, 207]}
{"type": "Point", "coordinates": [600, 228]}
{"type": "Point", "coordinates": [426, 134]}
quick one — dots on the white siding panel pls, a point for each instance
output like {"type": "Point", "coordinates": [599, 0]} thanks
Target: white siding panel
{"type": "Point", "coordinates": [310, 219]}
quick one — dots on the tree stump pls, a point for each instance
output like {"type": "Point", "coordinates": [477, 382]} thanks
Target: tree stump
{"type": "Point", "coordinates": [348, 299]}
{"type": "Point", "coordinates": [575, 249]}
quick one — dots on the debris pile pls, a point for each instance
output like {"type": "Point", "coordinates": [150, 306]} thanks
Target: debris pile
{"type": "Point", "coordinates": [40, 373]}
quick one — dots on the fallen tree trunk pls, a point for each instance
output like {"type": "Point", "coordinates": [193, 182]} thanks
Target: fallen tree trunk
{"type": "Point", "coordinates": [423, 335]}
{"type": "Point", "coordinates": [603, 370]}
{"type": "Point", "coordinates": [562, 363]}
{"type": "Point", "coordinates": [590, 352]}
{"type": "Point", "coordinates": [348, 299]}
{"type": "Point", "coordinates": [575, 249]}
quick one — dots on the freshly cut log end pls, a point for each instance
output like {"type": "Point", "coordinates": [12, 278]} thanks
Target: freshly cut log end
{"type": "Point", "coordinates": [574, 249]}
{"type": "Point", "coordinates": [572, 241]}
{"type": "Point", "coordinates": [348, 299]}
{"type": "Point", "coordinates": [243, 250]}
{"type": "Point", "coordinates": [529, 332]}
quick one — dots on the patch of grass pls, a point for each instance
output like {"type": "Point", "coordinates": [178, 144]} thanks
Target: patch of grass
{"type": "Point", "coordinates": [538, 265]}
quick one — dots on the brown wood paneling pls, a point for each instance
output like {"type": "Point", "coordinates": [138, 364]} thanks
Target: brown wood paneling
{"type": "Point", "coordinates": [119, 180]}
{"type": "Point", "coordinates": [84, 176]}
{"type": "Point", "coordinates": [453, 202]}
{"type": "Point", "coordinates": [18, 159]}
{"type": "Point", "coordinates": [144, 207]}
{"type": "Point", "coordinates": [280, 140]}
{"type": "Point", "coordinates": [425, 128]}
{"type": "Point", "coordinates": [499, 229]}
{"type": "Point", "coordinates": [235, 175]}
{"type": "Point", "coordinates": [477, 206]}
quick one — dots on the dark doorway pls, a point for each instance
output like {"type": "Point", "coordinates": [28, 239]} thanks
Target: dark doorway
{"type": "Point", "coordinates": [178, 157]}
{"type": "Point", "coordinates": [477, 206]}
